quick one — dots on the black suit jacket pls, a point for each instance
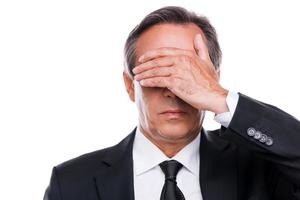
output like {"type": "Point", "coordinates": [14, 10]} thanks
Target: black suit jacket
{"type": "Point", "coordinates": [233, 165]}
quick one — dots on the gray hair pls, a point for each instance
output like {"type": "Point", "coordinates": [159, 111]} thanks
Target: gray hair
{"type": "Point", "coordinates": [171, 15]}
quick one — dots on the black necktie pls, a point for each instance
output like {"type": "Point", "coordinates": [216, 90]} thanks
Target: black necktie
{"type": "Point", "coordinates": [170, 190]}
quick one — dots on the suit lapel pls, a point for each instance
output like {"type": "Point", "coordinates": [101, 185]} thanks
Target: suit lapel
{"type": "Point", "coordinates": [218, 168]}
{"type": "Point", "coordinates": [116, 181]}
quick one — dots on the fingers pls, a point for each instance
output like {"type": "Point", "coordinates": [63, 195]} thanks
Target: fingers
{"type": "Point", "coordinates": [164, 51]}
{"type": "Point", "coordinates": [163, 82]}
{"type": "Point", "coordinates": [158, 62]}
{"type": "Point", "coordinates": [201, 48]}
{"type": "Point", "coordinates": [154, 72]}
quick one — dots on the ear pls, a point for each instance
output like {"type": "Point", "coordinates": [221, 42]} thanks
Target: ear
{"type": "Point", "coordinates": [129, 85]}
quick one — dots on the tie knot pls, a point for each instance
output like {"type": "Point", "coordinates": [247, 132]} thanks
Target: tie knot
{"type": "Point", "coordinates": [170, 169]}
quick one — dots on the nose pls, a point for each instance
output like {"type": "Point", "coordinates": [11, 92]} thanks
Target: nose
{"type": "Point", "coordinates": [168, 93]}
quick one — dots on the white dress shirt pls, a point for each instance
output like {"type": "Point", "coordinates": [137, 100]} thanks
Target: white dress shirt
{"type": "Point", "coordinates": [149, 178]}
{"type": "Point", "coordinates": [225, 118]}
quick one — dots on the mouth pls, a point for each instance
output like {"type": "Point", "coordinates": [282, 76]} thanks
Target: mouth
{"type": "Point", "coordinates": [174, 113]}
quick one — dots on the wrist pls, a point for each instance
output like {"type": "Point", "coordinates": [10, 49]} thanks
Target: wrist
{"type": "Point", "coordinates": [219, 104]}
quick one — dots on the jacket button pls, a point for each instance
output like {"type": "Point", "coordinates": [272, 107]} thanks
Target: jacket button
{"type": "Point", "coordinates": [263, 138]}
{"type": "Point", "coordinates": [251, 131]}
{"type": "Point", "coordinates": [269, 141]}
{"type": "Point", "coordinates": [257, 135]}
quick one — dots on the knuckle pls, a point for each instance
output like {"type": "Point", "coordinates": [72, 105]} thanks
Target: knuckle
{"type": "Point", "coordinates": [154, 72]}
{"type": "Point", "coordinates": [155, 81]}
{"type": "Point", "coordinates": [174, 70]}
{"type": "Point", "coordinates": [183, 58]}
{"type": "Point", "coordinates": [172, 80]}
{"type": "Point", "coordinates": [154, 62]}
{"type": "Point", "coordinates": [160, 81]}
{"type": "Point", "coordinates": [190, 53]}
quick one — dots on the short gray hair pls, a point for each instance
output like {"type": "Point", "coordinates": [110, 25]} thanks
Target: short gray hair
{"type": "Point", "coordinates": [171, 15]}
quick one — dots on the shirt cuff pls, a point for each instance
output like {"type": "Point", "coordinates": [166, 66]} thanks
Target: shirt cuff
{"type": "Point", "coordinates": [225, 118]}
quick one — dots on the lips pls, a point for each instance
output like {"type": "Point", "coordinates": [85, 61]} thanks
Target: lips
{"type": "Point", "coordinates": [173, 114]}
{"type": "Point", "coordinates": [175, 111]}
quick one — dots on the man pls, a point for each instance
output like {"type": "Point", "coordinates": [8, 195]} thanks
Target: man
{"type": "Point", "coordinates": [172, 61]}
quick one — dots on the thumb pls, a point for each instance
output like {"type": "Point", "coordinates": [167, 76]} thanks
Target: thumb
{"type": "Point", "coordinates": [200, 47]}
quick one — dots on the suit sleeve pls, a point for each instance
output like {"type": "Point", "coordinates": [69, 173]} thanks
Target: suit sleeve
{"type": "Point", "coordinates": [53, 190]}
{"type": "Point", "coordinates": [270, 133]}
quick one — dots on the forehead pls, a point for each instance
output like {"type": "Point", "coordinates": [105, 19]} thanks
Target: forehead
{"type": "Point", "coordinates": [167, 35]}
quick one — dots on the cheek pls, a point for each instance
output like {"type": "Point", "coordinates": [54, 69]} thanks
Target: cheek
{"type": "Point", "coordinates": [150, 105]}
{"type": "Point", "coordinates": [146, 100]}
{"type": "Point", "coordinates": [139, 97]}
{"type": "Point", "coordinates": [196, 118]}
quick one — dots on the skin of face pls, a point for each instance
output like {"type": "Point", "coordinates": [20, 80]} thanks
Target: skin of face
{"type": "Point", "coordinates": [168, 132]}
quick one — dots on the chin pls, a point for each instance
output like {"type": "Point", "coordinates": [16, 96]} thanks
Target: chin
{"type": "Point", "coordinates": [174, 131]}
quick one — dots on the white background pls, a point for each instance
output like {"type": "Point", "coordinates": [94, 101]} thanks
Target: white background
{"type": "Point", "coordinates": [61, 87]}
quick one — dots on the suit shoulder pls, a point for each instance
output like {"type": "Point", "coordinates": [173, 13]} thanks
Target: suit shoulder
{"type": "Point", "coordinates": [87, 158]}
{"type": "Point", "coordinates": [84, 164]}
{"type": "Point", "coordinates": [93, 162]}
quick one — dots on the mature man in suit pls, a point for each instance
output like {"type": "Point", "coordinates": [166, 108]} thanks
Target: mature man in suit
{"type": "Point", "coordinates": [172, 61]}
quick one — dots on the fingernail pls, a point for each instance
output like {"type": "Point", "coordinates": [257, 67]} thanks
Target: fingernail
{"type": "Point", "coordinates": [136, 77]}
{"type": "Point", "coordinates": [141, 58]}
{"type": "Point", "coordinates": [134, 71]}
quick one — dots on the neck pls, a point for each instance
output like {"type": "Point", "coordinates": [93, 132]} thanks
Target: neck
{"type": "Point", "coordinates": [171, 147]}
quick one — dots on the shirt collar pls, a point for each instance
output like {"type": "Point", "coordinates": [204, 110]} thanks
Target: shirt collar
{"type": "Point", "coordinates": [146, 155]}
